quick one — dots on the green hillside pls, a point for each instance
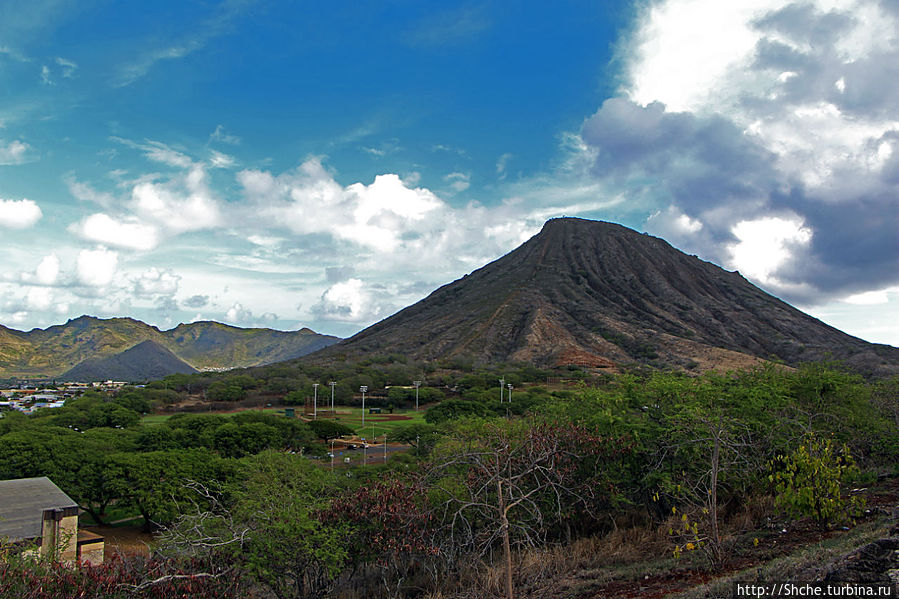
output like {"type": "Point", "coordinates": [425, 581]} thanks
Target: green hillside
{"type": "Point", "coordinates": [55, 350]}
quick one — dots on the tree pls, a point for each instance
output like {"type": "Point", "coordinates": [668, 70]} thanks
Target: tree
{"type": "Point", "coordinates": [504, 481]}
{"type": "Point", "coordinates": [419, 435]}
{"type": "Point", "coordinates": [389, 526]}
{"type": "Point", "coordinates": [153, 482]}
{"type": "Point", "coordinates": [809, 482]}
{"type": "Point", "coordinates": [452, 409]}
{"type": "Point", "coordinates": [328, 429]}
{"type": "Point", "coordinates": [270, 528]}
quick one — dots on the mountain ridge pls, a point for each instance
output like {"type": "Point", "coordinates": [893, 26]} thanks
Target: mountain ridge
{"type": "Point", "coordinates": [55, 350]}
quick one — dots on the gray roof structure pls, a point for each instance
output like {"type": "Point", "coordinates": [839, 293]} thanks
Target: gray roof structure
{"type": "Point", "coordinates": [22, 504]}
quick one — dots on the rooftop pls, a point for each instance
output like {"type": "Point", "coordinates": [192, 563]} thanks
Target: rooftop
{"type": "Point", "coordinates": [22, 503]}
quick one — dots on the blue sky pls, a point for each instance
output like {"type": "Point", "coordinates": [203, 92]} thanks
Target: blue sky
{"type": "Point", "coordinates": [282, 164]}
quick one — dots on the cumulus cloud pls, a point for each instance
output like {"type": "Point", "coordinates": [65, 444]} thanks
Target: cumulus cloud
{"type": "Point", "coordinates": [181, 204]}
{"type": "Point", "coordinates": [764, 245]}
{"type": "Point", "coordinates": [39, 298]}
{"type": "Point", "coordinates": [763, 136]}
{"type": "Point", "coordinates": [155, 282]}
{"type": "Point", "coordinates": [96, 268]}
{"type": "Point", "coordinates": [381, 216]}
{"type": "Point", "coordinates": [19, 214]}
{"type": "Point", "coordinates": [46, 273]}
{"type": "Point", "coordinates": [348, 301]}
{"type": "Point", "coordinates": [238, 314]}
{"type": "Point", "coordinates": [128, 233]}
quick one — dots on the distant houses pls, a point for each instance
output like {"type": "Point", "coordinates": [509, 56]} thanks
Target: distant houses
{"type": "Point", "coordinates": [36, 516]}
{"type": "Point", "coordinates": [29, 399]}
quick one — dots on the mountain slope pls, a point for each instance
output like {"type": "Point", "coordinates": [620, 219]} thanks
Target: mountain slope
{"type": "Point", "coordinates": [600, 294]}
{"type": "Point", "coordinates": [50, 352]}
{"type": "Point", "coordinates": [146, 360]}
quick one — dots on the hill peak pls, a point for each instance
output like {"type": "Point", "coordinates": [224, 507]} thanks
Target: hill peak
{"type": "Point", "coordinates": [594, 292]}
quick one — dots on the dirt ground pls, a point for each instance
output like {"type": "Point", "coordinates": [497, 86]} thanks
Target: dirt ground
{"type": "Point", "coordinates": [776, 543]}
{"type": "Point", "coordinates": [127, 540]}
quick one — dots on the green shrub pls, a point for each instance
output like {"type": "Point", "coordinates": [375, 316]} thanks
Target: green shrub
{"type": "Point", "coordinates": [809, 482]}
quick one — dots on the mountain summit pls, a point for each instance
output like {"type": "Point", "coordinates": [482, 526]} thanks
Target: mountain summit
{"type": "Point", "coordinates": [600, 294]}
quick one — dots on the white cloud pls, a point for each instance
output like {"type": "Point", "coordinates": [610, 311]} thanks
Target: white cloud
{"type": "Point", "coordinates": [502, 163]}
{"type": "Point", "coordinates": [382, 216]}
{"type": "Point", "coordinates": [19, 214]}
{"type": "Point", "coordinates": [219, 160]}
{"type": "Point", "coordinates": [165, 155]}
{"type": "Point", "coordinates": [348, 301]}
{"type": "Point", "coordinates": [182, 204]}
{"type": "Point", "coordinates": [85, 193]}
{"type": "Point", "coordinates": [734, 112]}
{"type": "Point", "coordinates": [223, 136]}
{"type": "Point", "coordinates": [871, 298]}
{"type": "Point", "coordinates": [68, 67]}
{"type": "Point", "coordinates": [238, 314]}
{"type": "Point", "coordinates": [13, 153]}
{"type": "Point", "coordinates": [97, 268]}
{"type": "Point", "coordinates": [128, 234]}
{"type": "Point", "coordinates": [48, 270]}
{"type": "Point", "coordinates": [458, 182]}
{"type": "Point", "coordinates": [672, 224]}
{"type": "Point", "coordinates": [39, 298]}
{"type": "Point", "coordinates": [156, 282]}
{"type": "Point", "coordinates": [765, 244]}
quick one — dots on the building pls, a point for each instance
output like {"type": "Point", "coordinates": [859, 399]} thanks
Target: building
{"type": "Point", "coordinates": [36, 515]}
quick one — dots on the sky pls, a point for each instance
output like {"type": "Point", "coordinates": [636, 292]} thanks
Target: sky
{"type": "Point", "coordinates": [323, 165]}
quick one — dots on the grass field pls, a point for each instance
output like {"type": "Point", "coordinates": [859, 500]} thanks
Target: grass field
{"type": "Point", "coordinates": [382, 423]}
{"type": "Point", "coordinates": [350, 416]}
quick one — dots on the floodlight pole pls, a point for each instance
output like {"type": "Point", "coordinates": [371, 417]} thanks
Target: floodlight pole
{"type": "Point", "coordinates": [363, 388]}
{"type": "Point", "coordinates": [315, 401]}
{"type": "Point", "coordinates": [510, 392]}
{"type": "Point", "coordinates": [502, 383]}
{"type": "Point", "coordinates": [332, 384]}
{"type": "Point", "coordinates": [417, 385]}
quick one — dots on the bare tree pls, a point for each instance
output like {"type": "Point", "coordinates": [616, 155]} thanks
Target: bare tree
{"type": "Point", "coordinates": [503, 483]}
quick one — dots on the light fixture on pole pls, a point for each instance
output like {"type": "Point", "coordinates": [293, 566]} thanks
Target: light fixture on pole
{"type": "Point", "coordinates": [315, 401]}
{"type": "Point", "coordinates": [333, 384]}
{"type": "Point", "coordinates": [502, 383]}
{"type": "Point", "coordinates": [417, 385]}
{"type": "Point", "coordinates": [510, 392]}
{"type": "Point", "coordinates": [363, 388]}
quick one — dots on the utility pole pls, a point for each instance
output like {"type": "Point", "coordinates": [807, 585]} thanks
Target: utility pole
{"type": "Point", "coordinates": [363, 388]}
{"type": "Point", "coordinates": [502, 383]}
{"type": "Point", "coordinates": [315, 401]}
{"type": "Point", "coordinates": [332, 384]}
{"type": "Point", "coordinates": [417, 385]}
{"type": "Point", "coordinates": [510, 392]}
